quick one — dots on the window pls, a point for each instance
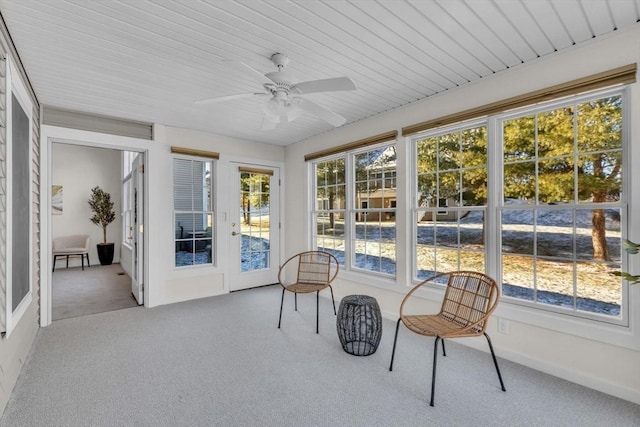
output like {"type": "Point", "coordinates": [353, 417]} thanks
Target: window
{"type": "Point", "coordinates": [127, 197]}
{"type": "Point", "coordinates": [374, 225]}
{"type": "Point", "coordinates": [193, 211]}
{"type": "Point", "coordinates": [450, 201]}
{"type": "Point", "coordinates": [536, 197]}
{"type": "Point", "coordinates": [561, 209]}
{"type": "Point", "coordinates": [329, 215]}
{"type": "Point", "coordinates": [355, 195]}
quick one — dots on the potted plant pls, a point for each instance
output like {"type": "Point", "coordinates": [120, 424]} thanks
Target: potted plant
{"type": "Point", "coordinates": [103, 215]}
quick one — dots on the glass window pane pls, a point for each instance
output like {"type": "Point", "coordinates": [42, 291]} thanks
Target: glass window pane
{"type": "Point", "coordinates": [556, 180]}
{"type": "Point", "coordinates": [473, 146]}
{"type": "Point", "coordinates": [519, 138]}
{"type": "Point", "coordinates": [425, 250]}
{"type": "Point", "coordinates": [600, 124]}
{"type": "Point", "coordinates": [554, 282]}
{"type": "Point", "coordinates": [555, 233]}
{"type": "Point", "coordinates": [598, 291]}
{"type": "Point", "coordinates": [427, 158]}
{"type": "Point", "coordinates": [449, 151]}
{"type": "Point", "coordinates": [519, 181]}
{"type": "Point", "coordinates": [555, 132]}
{"type": "Point", "coordinates": [474, 187]}
{"type": "Point", "coordinates": [517, 232]}
{"type": "Point", "coordinates": [518, 277]}
{"type": "Point", "coordinates": [449, 187]}
{"type": "Point", "coordinates": [600, 177]}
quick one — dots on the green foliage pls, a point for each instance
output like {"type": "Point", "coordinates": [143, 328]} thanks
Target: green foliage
{"type": "Point", "coordinates": [571, 153]}
{"type": "Point", "coordinates": [630, 248]}
{"type": "Point", "coordinates": [102, 208]}
{"type": "Point", "coordinates": [255, 192]}
{"type": "Point", "coordinates": [453, 166]}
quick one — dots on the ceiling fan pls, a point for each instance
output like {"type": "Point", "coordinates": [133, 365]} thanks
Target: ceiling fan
{"type": "Point", "coordinates": [286, 102]}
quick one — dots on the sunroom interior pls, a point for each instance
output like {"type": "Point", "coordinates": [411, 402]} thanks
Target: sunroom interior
{"type": "Point", "coordinates": [490, 136]}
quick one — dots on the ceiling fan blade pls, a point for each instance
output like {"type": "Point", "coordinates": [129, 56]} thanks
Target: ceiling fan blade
{"type": "Point", "coordinates": [326, 115]}
{"type": "Point", "coordinates": [324, 85]}
{"type": "Point", "coordinates": [229, 97]}
{"type": "Point", "coordinates": [245, 68]}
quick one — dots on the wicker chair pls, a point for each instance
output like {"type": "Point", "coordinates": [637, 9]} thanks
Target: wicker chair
{"type": "Point", "coordinates": [307, 272]}
{"type": "Point", "coordinates": [469, 300]}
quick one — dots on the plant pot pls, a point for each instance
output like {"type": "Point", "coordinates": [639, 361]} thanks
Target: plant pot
{"type": "Point", "coordinates": [105, 253]}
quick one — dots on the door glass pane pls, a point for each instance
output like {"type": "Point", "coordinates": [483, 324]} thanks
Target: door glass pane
{"type": "Point", "coordinates": [255, 221]}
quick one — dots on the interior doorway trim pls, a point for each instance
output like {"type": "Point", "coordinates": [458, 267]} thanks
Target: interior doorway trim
{"type": "Point", "coordinates": [48, 136]}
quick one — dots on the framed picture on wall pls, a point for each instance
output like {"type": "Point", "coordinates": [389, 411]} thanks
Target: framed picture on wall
{"type": "Point", "coordinates": [56, 200]}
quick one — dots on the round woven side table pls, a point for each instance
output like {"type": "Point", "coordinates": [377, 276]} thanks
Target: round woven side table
{"type": "Point", "coordinates": [359, 324]}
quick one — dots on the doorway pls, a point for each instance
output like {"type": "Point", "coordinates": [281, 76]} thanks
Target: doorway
{"type": "Point", "coordinates": [255, 225]}
{"type": "Point", "coordinates": [74, 167]}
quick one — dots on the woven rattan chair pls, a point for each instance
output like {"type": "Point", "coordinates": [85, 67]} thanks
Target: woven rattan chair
{"type": "Point", "coordinates": [307, 272]}
{"type": "Point", "coordinates": [469, 300]}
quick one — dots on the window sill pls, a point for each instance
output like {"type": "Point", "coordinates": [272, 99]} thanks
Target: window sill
{"type": "Point", "coordinates": [608, 333]}
{"type": "Point", "coordinates": [618, 335]}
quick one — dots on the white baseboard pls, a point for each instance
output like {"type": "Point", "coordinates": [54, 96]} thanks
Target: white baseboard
{"type": "Point", "coordinates": [548, 367]}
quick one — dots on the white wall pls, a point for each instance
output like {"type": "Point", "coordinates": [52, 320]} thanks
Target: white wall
{"type": "Point", "coordinates": [600, 356]}
{"type": "Point", "coordinates": [78, 169]}
{"type": "Point", "coordinates": [164, 283]}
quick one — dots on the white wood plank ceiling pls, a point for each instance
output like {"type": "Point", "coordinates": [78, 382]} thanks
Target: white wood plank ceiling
{"type": "Point", "coordinates": [148, 60]}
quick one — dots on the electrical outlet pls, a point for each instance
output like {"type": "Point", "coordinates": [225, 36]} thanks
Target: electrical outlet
{"type": "Point", "coordinates": [503, 326]}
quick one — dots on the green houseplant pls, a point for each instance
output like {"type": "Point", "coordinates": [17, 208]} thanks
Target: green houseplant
{"type": "Point", "coordinates": [103, 215]}
{"type": "Point", "coordinates": [630, 248]}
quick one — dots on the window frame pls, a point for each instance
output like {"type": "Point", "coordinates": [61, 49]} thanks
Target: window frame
{"type": "Point", "coordinates": [623, 204]}
{"type": "Point", "coordinates": [351, 210]}
{"type": "Point", "coordinates": [435, 210]}
{"type": "Point", "coordinates": [208, 213]}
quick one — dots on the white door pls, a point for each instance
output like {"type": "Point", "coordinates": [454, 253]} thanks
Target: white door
{"type": "Point", "coordinates": [137, 245]}
{"type": "Point", "coordinates": [255, 225]}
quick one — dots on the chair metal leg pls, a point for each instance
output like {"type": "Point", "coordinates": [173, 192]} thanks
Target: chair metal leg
{"type": "Point", "coordinates": [393, 352]}
{"type": "Point", "coordinates": [88, 263]}
{"type": "Point", "coordinates": [281, 302]}
{"type": "Point", "coordinates": [295, 297]}
{"type": "Point", "coordinates": [82, 260]}
{"type": "Point", "coordinates": [334, 301]}
{"type": "Point", "coordinates": [67, 261]}
{"type": "Point", "coordinates": [433, 377]}
{"type": "Point", "coordinates": [444, 353]}
{"type": "Point", "coordinates": [55, 257]}
{"type": "Point", "coordinates": [495, 362]}
{"type": "Point", "coordinates": [317, 312]}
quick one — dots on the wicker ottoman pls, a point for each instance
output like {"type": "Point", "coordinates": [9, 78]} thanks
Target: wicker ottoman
{"type": "Point", "coordinates": [359, 324]}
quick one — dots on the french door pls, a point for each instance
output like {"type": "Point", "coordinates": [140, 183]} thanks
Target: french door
{"type": "Point", "coordinates": [255, 225]}
{"type": "Point", "coordinates": [137, 232]}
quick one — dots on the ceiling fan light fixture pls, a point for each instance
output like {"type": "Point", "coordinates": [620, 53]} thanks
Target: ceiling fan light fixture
{"type": "Point", "coordinates": [272, 110]}
{"type": "Point", "coordinates": [293, 112]}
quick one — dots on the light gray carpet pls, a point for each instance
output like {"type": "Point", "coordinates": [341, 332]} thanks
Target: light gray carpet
{"type": "Point", "coordinates": [97, 289]}
{"type": "Point", "coordinates": [222, 361]}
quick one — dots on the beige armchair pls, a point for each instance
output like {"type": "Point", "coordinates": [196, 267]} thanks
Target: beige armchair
{"type": "Point", "coordinates": [66, 246]}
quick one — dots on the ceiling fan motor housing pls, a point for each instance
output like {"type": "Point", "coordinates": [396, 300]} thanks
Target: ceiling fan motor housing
{"type": "Point", "coordinates": [280, 60]}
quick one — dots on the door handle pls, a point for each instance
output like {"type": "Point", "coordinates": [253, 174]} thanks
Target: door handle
{"type": "Point", "coordinates": [233, 233]}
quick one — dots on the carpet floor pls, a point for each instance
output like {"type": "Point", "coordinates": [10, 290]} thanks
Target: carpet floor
{"type": "Point", "coordinates": [97, 289]}
{"type": "Point", "coordinates": [222, 361]}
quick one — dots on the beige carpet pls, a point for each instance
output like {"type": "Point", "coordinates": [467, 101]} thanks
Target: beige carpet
{"type": "Point", "coordinates": [97, 289]}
